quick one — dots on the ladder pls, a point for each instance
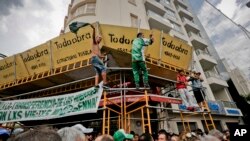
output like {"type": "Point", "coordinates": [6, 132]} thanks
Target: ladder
{"type": "Point", "coordinates": [206, 113]}
{"type": "Point", "coordinates": [209, 122]}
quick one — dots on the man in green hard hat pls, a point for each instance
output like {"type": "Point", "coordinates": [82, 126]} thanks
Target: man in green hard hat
{"type": "Point", "coordinates": [138, 59]}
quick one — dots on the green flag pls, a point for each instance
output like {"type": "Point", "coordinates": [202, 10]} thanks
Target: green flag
{"type": "Point", "coordinates": [75, 26]}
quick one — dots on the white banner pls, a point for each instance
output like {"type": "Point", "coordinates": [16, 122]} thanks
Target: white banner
{"type": "Point", "coordinates": [86, 101]}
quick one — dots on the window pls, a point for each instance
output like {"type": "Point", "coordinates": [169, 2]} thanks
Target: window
{"type": "Point", "coordinates": [134, 20]}
{"type": "Point", "coordinates": [132, 2]}
{"type": "Point", "coordinates": [88, 8]}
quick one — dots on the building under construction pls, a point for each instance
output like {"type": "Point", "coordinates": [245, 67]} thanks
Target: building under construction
{"type": "Point", "coordinates": [62, 66]}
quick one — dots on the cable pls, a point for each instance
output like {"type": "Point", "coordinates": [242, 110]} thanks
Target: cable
{"type": "Point", "coordinates": [238, 25]}
{"type": "Point", "coordinates": [2, 55]}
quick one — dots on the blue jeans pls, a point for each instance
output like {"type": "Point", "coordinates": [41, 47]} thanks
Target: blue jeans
{"type": "Point", "coordinates": [98, 65]}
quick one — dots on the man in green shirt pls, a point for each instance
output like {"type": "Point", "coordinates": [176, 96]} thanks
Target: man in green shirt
{"type": "Point", "coordinates": [138, 59]}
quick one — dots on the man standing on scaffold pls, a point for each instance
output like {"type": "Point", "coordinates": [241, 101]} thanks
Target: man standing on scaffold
{"type": "Point", "coordinates": [181, 87]}
{"type": "Point", "coordinates": [197, 87]}
{"type": "Point", "coordinates": [138, 59]}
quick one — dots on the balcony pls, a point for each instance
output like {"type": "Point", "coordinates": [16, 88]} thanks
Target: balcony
{"type": "Point", "coordinates": [228, 108]}
{"type": "Point", "coordinates": [197, 41]}
{"type": "Point", "coordinates": [206, 60]}
{"type": "Point", "coordinates": [231, 109]}
{"type": "Point", "coordinates": [216, 107]}
{"type": "Point", "coordinates": [77, 3]}
{"type": "Point", "coordinates": [178, 35]}
{"type": "Point", "coordinates": [180, 2]}
{"type": "Point", "coordinates": [190, 26]}
{"type": "Point", "coordinates": [219, 107]}
{"type": "Point", "coordinates": [215, 81]}
{"type": "Point", "coordinates": [184, 13]}
{"type": "Point", "coordinates": [158, 22]}
{"type": "Point", "coordinates": [155, 6]}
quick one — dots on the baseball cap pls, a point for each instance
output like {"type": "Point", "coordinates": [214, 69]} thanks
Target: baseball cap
{"type": "Point", "coordinates": [83, 129]}
{"type": "Point", "coordinates": [120, 135]}
{"type": "Point", "coordinates": [17, 131]}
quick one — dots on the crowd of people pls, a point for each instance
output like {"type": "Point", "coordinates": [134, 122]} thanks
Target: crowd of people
{"type": "Point", "coordinates": [79, 133]}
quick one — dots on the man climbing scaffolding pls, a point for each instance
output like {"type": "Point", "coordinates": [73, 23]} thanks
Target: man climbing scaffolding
{"type": "Point", "coordinates": [97, 57]}
{"type": "Point", "coordinates": [138, 59]}
{"type": "Point", "coordinates": [96, 60]}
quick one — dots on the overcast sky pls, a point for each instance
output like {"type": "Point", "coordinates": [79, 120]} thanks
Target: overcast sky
{"type": "Point", "coordinates": [27, 23]}
{"type": "Point", "coordinates": [229, 40]}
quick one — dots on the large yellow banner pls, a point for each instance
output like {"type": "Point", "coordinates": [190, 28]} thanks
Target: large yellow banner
{"type": "Point", "coordinates": [12, 68]}
{"type": "Point", "coordinates": [21, 70]}
{"type": "Point", "coordinates": [70, 48]}
{"type": "Point", "coordinates": [121, 38]}
{"type": "Point", "coordinates": [176, 52]}
{"type": "Point", "coordinates": [7, 69]}
{"type": "Point", "coordinates": [165, 47]}
{"type": "Point", "coordinates": [37, 60]}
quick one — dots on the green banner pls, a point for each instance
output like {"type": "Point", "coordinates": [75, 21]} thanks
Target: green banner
{"type": "Point", "coordinates": [86, 101]}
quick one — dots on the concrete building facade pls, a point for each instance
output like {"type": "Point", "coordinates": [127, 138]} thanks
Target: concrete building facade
{"type": "Point", "coordinates": [175, 18]}
{"type": "Point", "coordinates": [239, 79]}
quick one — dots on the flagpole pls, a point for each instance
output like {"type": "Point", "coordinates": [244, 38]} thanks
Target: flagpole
{"type": "Point", "coordinates": [138, 25]}
{"type": "Point", "coordinates": [97, 28]}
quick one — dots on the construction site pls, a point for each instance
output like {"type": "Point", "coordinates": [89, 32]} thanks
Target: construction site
{"type": "Point", "coordinates": [61, 66]}
{"type": "Point", "coordinates": [122, 105]}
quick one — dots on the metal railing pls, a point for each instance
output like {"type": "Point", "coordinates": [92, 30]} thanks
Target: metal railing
{"type": "Point", "coordinates": [186, 20]}
{"type": "Point", "coordinates": [193, 34]}
{"type": "Point", "coordinates": [212, 74]}
{"type": "Point", "coordinates": [185, 10]}
{"type": "Point", "coordinates": [229, 104]}
{"type": "Point", "coordinates": [198, 52]}
{"type": "Point", "coordinates": [217, 107]}
{"type": "Point", "coordinates": [2, 55]}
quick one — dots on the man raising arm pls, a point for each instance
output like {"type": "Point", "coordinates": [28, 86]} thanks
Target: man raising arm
{"type": "Point", "coordinates": [96, 59]}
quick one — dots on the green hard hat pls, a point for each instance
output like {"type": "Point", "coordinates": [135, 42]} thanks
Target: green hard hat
{"type": "Point", "coordinates": [120, 135]}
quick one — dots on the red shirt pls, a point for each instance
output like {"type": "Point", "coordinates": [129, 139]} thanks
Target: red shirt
{"type": "Point", "coordinates": [182, 81]}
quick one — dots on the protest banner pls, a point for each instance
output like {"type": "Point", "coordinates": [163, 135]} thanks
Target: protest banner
{"type": "Point", "coordinates": [86, 101]}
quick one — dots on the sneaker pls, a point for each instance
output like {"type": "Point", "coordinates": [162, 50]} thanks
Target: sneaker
{"type": "Point", "coordinates": [105, 86]}
{"type": "Point", "coordinates": [137, 86]}
{"type": "Point", "coordinates": [190, 109]}
{"type": "Point", "coordinates": [146, 85]}
{"type": "Point", "coordinates": [105, 60]}
{"type": "Point", "coordinates": [201, 109]}
{"type": "Point", "coordinates": [170, 95]}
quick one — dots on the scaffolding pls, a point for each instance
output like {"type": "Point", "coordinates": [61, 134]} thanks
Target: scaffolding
{"type": "Point", "coordinates": [124, 108]}
{"type": "Point", "coordinates": [124, 114]}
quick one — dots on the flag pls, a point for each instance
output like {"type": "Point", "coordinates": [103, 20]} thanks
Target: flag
{"type": "Point", "coordinates": [75, 26]}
